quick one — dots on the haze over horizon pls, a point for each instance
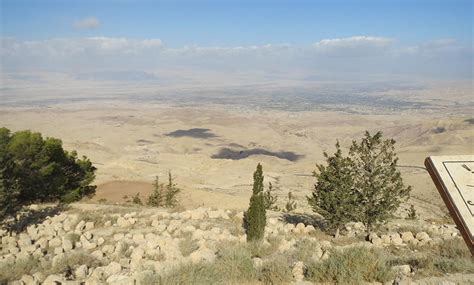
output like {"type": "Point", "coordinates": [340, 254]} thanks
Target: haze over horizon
{"type": "Point", "coordinates": [303, 40]}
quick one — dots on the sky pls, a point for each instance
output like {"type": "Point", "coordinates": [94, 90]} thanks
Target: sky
{"type": "Point", "coordinates": [428, 39]}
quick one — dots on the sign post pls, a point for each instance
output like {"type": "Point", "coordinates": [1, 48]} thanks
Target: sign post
{"type": "Point", "coordinates": [454, 178]}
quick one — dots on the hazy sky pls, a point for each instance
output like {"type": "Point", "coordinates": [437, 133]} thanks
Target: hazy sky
{"type": "Point", "coordinates": [426, 39]}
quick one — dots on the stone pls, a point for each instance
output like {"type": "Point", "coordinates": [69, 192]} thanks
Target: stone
{"type": "Point", "coordinates": [421, 236]}
{"type": "Point", "coordinates": [298, 271]}
{"type": "Point", "coordinates": [123, 223]}
{"type": "Point", "coordinates": [257, 262]}
{"type": "Point", "coordinates": [53, 280]}
{"type": "Point", "coordinates": [299, 228]}
{"type": "Point", "coordinates": [113, 268]}
{"type": "Point", "coordinates": [81, 226]}
{"type": "Point", "coordinates": [88, 235]}
{"type": "Point", "coordinates": [203, 254]}
{"type": "Point", "coordinates": [396, 240]}
{"type": "Point", "coordinates": [108, 224]}
{"type": "Point", "coordinates": [376, 241]}
{"type": "Point", "coordinates": [98, 254]}
{"type": "Point", "coordinates": [55, 242]}
{"type": "Point", "coordinates": [386, 239]}
{"type": "Point", "coordinates": [310, 229]}
{"type": "Point", "coordinates": [120, 280]}
{"type": "Point", "coordinates": [89, 226]}
{"type": "Point", "coordinates": [402, 269]}
{"type": "Point", "coordinates": [81, 272]}
{"type": "Point", "coordinates": [67, 245]}
{"type": "Point", "coordinates": [407, 236]}
{"type": "Point", "coordinates": [100, 241]}
{"type": "Point", "coordinates": [28, 279]}
{"type": "Point", "coordinates": [108, 249]}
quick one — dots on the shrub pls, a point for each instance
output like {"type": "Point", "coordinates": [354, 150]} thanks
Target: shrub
{"type": "Point", "coordinates": [156, 198]}
{"type": "Point", "coordinates": [171, 191]}
{"type": "Point", "coordinates": [187, 245]}
{"type": "Point", "coordinates": [291, 204]}
{"type": "Point", "coordinates": [235, 265]}
{"type": "Point", "coordinates": [270, 199]}
{"type": "Point", "coordinates": [351, 266]}
{"type": "Point", "coordinates": [275, 271]}
{"type": "Point", "coordinates": [255, 216]}
{"type": "Point", "coordinates": [136, 199]}
{"type": "Point", "coordinates": [412, 215]}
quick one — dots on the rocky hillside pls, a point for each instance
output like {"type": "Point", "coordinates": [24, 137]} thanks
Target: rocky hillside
{"type": "Point", "coordinates": [99, 244]}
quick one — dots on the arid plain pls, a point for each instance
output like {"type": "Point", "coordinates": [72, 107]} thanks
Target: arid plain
{"type": "Point", "coordinates": [212, 139]}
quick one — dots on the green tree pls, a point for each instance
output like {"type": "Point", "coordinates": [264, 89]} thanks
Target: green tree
{"type": "Point", "coordinates": [270, 199]}
{"type": "Point", "coordinates": [171, 192]}
{"type": "Point", "coordinates": [255, 216]}
{"type": "Point", "coordinates": [334, 195]}
{"type": "Point", "coordinates": [33, 169]}
{"type": "Point", "coordinates": [156, 199]}
{"type": "Point", "coordinates": [379, 185]}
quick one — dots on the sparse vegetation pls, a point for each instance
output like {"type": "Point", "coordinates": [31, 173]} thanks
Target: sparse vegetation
{"type": "Point", "coordinates": [351, 266]}
{"type": "Point", "coordinates": [136, 199]}
{"type": "Point", "coordinates": [255, 216]}
{"type": "Point", "coordinates": [188, 245]}
{"type": "Point", "coordinates": [164, 196]}
{"type": "Point", "coordinates": [291, 204]}
{"type": "Point", "coordinates": [275, 271]}
{"type": "Point", "coordinates": [412, 215]}
{"type": "Point", "coordinates": [270, 199]}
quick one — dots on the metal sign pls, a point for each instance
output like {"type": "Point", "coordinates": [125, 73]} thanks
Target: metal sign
{"type": "Point", "coordinates": [454, 178]}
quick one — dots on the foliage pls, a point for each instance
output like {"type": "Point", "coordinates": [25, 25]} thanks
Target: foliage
{"type": "Point", "coordinates": [156, 198]}
{"type": "Point", "coordinates": [33, 169]}
{"type": "Point", "coordinates": [136, 199]}
{"type": "Point", "coordinates": [164, 195]}
{"type": "Point", "coordinates": [334, 195]}
{"type": "Point", "coordinates": [255, 216]}
{"type": "Point", "coordinates": [291, 204]}
{"type": "Point", "coordinates": [351, 266]}
{"type": "Point", "coordinates": [412, 215]}
{"type": "Point", "coordinates": [275, 271]}
{"type": "Point", "coordinates": [171, 191]}
{"type": "Point", "coordinates": [270, 199]}
{"type": "Point", "coordinates": [379, 184]}
{"type": "Point", "coordinates": [365, 186]}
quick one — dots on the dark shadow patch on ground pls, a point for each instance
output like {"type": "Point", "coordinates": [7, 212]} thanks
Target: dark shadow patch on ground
{"type": "Point", "coordinates": [197, 133]}
{"type": "Point", "coordinates": [470, 121]}
{"type": "Point", "coordinates": [142, 142]}
{"type": "Point", "coordinates": [33, 217]}
{"type": "Point", "coordinates": [306, 219]}
{"type": "Point", "coordinates": [439, 130]}
{"type": "Point", "coordinates": [227, 153]}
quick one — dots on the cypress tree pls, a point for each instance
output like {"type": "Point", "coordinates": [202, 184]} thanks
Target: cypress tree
{"type": "Point", "coordinates": [255, 217]}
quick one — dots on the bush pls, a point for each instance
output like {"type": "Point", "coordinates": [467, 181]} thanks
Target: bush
{"type": "Point", "coordinates": [33, 169]}
{"type": "Point", "coordinates": [412, 215]}
{"type": "Point", "coordinates": [351, 266]}
{"type": "Point", "coordinates": [255, 216]}
{"type": "Point", "coordinates": [270, 199]}
{"type": "Point", "coordinates": [275, 271]}
{"type": "Point", "coordinates": [291, 204]}
{"type": "Point", "coordinates": [136, 199]}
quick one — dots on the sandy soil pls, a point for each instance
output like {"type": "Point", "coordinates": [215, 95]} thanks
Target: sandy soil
{"type": "Point", "coordinates": [212, 151]}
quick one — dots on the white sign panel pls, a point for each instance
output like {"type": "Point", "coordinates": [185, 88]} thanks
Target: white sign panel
{"type": "Point", "coordinates": [454, 178]}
